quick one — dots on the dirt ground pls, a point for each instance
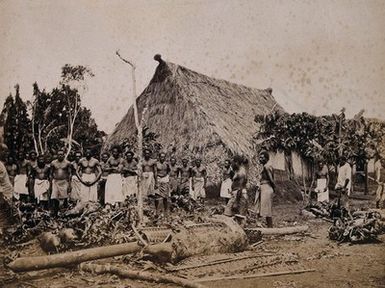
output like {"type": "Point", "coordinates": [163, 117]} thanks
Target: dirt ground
{"type": "Point", "coordinates": [335, 265]}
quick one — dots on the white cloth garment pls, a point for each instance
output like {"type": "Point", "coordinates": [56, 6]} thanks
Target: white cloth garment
{"type": "Point", "coordinates": [20, 187]}
{"type": "Point", "coordinates": [88, 193]}
{"type": "Point", "coordinates": [321, 195]}
{"type": "Point", "coordinates": [130, 186]}
{"type": "Point", "coordinates": [41, 189]}
{"type": "Point", "coordinates": [344, 172]}
{"type": "Point", "coordinates": [226, 188]}
{"type": "Point", "coordinates": [114, 189]}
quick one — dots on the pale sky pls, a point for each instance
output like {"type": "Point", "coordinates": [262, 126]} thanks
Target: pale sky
{"type": "Point", "coordinates": [318, 56]}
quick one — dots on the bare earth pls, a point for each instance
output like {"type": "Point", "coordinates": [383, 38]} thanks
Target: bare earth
{"type": "Point", "coordinates": [336, 265]}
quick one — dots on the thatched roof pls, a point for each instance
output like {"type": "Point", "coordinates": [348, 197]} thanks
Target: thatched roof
{"type": "Point", "coordinates": [194, 112]}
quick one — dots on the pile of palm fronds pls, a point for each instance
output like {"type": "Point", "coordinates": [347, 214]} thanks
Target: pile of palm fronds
{"type": "Point", "coordinates": [360, 227]}
{"type": "Point", "coordinates": [91, 224]}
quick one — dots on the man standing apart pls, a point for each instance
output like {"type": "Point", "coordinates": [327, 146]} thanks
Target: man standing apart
{"type": "Point", "coordinates": [39, 175]}
{"type": "Point", "coordinates": [379, 169]}
{"type": "Point", "coordinates": [6, 189]}
{"type": "Point", "coordinates": [61, 172]}
{"type": "Point", "coordinates": [149, 174]}
{"type": "Point", "coordinates": [89, 173]}
{"type": "Point", "coordinates": [199, 181]}
{"type": "Point", "coordinates": [344, 182]}
{"type": "Point", "coordinates": [162, 187]}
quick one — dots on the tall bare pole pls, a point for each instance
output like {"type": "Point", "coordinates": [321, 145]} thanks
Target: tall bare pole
{"type": "Point", "coordinates": [140, 137]}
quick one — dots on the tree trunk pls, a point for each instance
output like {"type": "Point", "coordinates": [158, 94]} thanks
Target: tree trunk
{"type": "Point", "coordinates": [366, 178]}
{"type": "Point", "coordinates": [140, 275]}
{"type": "Point", "coordinates": [24, 264]}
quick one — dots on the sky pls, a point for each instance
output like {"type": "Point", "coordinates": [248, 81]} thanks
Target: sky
{"type": "Point", "coordinates": [318, 56]}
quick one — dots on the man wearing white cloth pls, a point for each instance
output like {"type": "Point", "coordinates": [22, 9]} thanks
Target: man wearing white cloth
{"type": "Point", "coordinates": [89, 173]}
{"type": "Point", "coordinates": [199, 181]}
{"type": "Point", "coordinates": [344, 182]}
{"type": "Point", "coordinates": [148, 176]}
{"type": "Point", "coordinates": [21, 179]}
{"type": "Point", "coordinates": [114, 184]}
{"type": "Point", "coordinates": [130, 175]}
{"type": "Point", "coordinates": [40, 180]}
{"type": "Point", "coordinates": [61, 171]}
{"type": "Point", "coordinates": [227, 176]}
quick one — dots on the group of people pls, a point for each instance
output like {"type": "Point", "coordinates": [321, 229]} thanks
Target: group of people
{"type": "Point", "coordinates": [113, 178]}
{"type": "Point", "coordinates": [110, 180]}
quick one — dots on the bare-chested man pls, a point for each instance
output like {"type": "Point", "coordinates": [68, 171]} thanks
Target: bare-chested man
{"type": "Point", "coordinates": [61, 174]}
{"type": "Point", "coordinates": [174, 176]}
{"type": "Point", "coordinates": [89, 173]}
{"type": "Point", "coordinates": [102, 182]}
{"type": "Point", "coordinates": [21, 180]}
{"type": "Point", "coordinates": [162, 187]}
{"type": "Point", "coordinates": [11, 167]}
{"type": "Point", "coordinates": [185, 178]}
{"type": "Point", "coordinates": [130, 175]}
{"type": "Point", "coordinates": [114, 187]}
{"type": "Point", "coordinates": [149, 174]}
{"type": "Point", "coordinates": [199, 181]}
{"type": "Point", "coordinates": [76, 184]}
{"type": "Point", "coordinates": [40, 178]}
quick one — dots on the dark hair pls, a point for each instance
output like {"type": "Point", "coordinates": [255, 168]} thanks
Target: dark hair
{"type": "Point", "coordinates": [117, 147]}
{"type": "Point", "coordinates": [130, 152]}
{"type": "Point", "coordinates": [265, 153]}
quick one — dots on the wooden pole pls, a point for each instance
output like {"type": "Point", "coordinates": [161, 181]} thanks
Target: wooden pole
{"type": "Point", "coordinates": [140, 275]}
{"type": "Point", "coordinates": [366, 178]}
{"type": "Point", "coordinates": [24, 264]}
{"type": "Point", "coordinates": [140, 137]}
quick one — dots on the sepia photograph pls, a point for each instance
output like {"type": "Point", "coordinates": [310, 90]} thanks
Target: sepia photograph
{"type": "Point", "coordinates": [192, 143]}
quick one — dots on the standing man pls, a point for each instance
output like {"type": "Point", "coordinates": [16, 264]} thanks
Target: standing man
{"type": "Point", "coordinates": [227, 175]}
{"type": "Point", "coordinates": [103, 178]}
{"type": "Point", "coordinates": [379, 169]}
{"type": "Point", "coordinates": [21, 180]}
{"type": "Point", "coordinates": [89, 173]}
{"type": "Point", "coordinates": [174, 176]}
{"type": "Point", "coordinates": [162, 187]}
{"type": "Point", "coordinates": [199, 181]}
{"type": "Point", "coordinates": [61, 174]}
{"type": "Point", "coordinates": [267, 186]}
{"type": "Point", "coordinates": [39, 175]}
{"type": "Point", "coordinates": [11, 167]}
{"type": "Point", "coordinates": [344, 182]}
{"type": "Point", "coordinates": [149, 174]}
{"type": "Point", "coordinates": [130, 175]}
{"type": "Point", "coordinates": [75, 181]}
{"type": "Point", "coordinates": [185, 178]}
{"type": "Point", "coordinates": [238, 201]}
{"type": "Point", "coordinates": [6, 188]}
{"type": "Point", "coordinates": [114, 188]}
{"type": "Point", "coordinates": [32, 163]}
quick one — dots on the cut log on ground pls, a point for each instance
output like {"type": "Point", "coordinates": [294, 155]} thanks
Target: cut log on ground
{"type": "Point", "coordinates": [254, 275]}
{"type": "Point", "coordinates": [24, 264]}
{"type": "Point", "coordinates": [139, 275]}
{"type": "Point", "coordinates": [281, 231]}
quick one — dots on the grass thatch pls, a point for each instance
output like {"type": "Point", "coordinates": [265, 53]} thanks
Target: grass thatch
{"type": "Point", "coordinates": [198, 115]}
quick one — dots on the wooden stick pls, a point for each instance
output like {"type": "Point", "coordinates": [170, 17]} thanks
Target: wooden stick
{"type": "Point", "coordinates": [254, 275]}
{"type": "Point", "coordinates": [132, 274]}
{"type": "Point", "coordinates": [218, 262]}
{"type": "Point", "coordinates": [24, 264]}
{"type": "Point", "coordinates": [281, 231]}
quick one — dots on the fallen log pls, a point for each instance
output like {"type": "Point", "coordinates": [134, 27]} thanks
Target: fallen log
{"type": "Point", "coordinates": [139, 275]}
{"type": "Point", "coordinates": [24, 264]}
{"type": "Point", "coordinates": [254, 275]}
{"type": "Point", "coordinates": [281, 231]}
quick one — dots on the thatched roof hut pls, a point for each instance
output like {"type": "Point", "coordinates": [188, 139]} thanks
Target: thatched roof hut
{"type": "Point", "coordinates": [196, 114]}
